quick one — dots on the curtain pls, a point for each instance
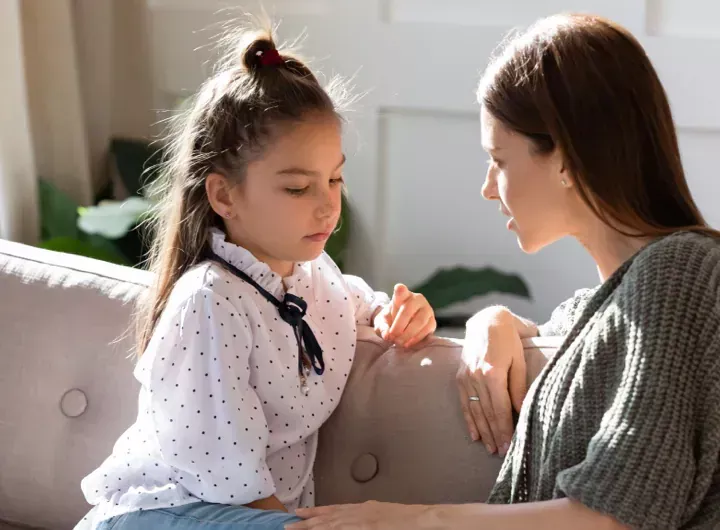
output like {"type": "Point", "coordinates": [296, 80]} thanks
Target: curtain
{"type": "Point", "coordinates": [18, 203]}
{"type": "Point", "coordinates": [75, 74]}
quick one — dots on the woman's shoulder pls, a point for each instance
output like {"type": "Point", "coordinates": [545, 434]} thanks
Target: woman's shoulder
{"type": "Point", "coordinates": [672, 286]}
{"type": "Point", "coordinates": [681, 250]}
{"type": "Point", "coordinates": [679, 261]}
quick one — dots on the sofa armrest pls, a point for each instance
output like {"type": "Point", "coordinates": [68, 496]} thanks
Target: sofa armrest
{"type": "Point", "coordinates": [399, 435]}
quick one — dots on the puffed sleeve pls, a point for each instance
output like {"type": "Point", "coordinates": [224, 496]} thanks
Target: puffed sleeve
{"type": "Point", "coordinates": [208, 419]}
{"type": "Point", "coordinates": [365, 300]}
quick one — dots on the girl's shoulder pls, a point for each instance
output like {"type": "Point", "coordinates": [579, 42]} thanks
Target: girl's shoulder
{"type": "Point", "coordinates": [203, 280]}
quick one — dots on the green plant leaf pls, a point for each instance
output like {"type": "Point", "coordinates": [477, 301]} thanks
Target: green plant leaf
{"type": "Point", "coordinates": [71, 245]}
{"type": "Point", "coordinates": [112, 219]}
{"type": "Point", "coordinates": [458, 284]}
{"type": "Point", "coordinates": [136, 161]}
{"type": "Point", "coordinates": [336, 246]}
{"type": "Point", "coordinates": [58, 212]}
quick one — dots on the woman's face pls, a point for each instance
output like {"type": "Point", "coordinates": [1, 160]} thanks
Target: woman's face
{"type": "Point", "coordinates": [533, 190]}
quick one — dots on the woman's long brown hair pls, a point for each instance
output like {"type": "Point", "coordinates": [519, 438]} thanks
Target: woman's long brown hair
{"type": "Point", "coordinates": [585, 85]}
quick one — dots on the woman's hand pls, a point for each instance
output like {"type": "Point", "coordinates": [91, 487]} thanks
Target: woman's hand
{"type": "Point", "coordinates": [366, 516]}
{"type": "Point", "coordinates": [492, 376]}
{"type": "Point", "coordinates": [407, 320]}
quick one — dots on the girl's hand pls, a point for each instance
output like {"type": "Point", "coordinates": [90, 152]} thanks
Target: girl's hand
{"type": "Point", "coordinates": [271, 503]}
{"type": "Point", "coordinates": [366, 516]}
{"type": "Point", "coordinates": [492, 377]}
{"type": "Point", "coordinates": [407, 319]}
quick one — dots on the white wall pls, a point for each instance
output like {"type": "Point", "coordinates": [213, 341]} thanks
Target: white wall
{"type": "Point", "coordinates": [415, 164]}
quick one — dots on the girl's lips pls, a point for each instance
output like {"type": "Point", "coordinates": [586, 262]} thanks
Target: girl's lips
{"type": "Point", "coordinates": [320, 236]}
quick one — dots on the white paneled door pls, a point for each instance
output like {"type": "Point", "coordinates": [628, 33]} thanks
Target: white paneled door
{"type": "Point", "coordinates": [415, 166]}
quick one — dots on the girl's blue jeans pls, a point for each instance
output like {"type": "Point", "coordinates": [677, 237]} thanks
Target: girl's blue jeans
{"type": "Point", "coordinates": [200, 516]}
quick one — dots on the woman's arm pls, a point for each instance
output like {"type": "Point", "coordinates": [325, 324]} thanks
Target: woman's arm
{"type": "Point", "coordinates": [492, 378]}
{"type": "Point", "coordinates": [493, 366]}
{"type": "Point", "coordinates": [560, 514]}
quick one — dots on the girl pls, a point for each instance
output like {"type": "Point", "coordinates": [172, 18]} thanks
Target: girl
{"type": "Point", "coordinates": [250, 330]}
{"type": "Point", "coordinates": [622, 427]}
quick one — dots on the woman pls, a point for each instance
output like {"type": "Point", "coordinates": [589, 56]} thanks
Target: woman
{"type": "Point", "coordinates": [622, 427]}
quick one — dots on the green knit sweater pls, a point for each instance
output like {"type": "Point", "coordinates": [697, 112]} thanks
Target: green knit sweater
{"type": "Point", "coordinates": [626, 416]}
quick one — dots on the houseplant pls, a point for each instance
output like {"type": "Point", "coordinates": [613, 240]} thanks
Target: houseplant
{"type": "Point", "coordinates": [449, 286]}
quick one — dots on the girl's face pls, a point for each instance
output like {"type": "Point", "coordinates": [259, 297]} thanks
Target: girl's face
{"type": "Point", "coordinates": [533, 190]}
{"type": "Point", "coordinates": [289, 202]}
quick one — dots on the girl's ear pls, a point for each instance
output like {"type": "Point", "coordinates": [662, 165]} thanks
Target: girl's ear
{"type": "Point", "coordinates": [218, 189]}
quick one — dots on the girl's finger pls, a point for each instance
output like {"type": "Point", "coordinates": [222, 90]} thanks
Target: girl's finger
{"type": "Point", "coordinates": [402, 319]}
{"type": "Point", "coordinates": [415, 327]}
{"type": "Point", "coordinates": [424, 333]}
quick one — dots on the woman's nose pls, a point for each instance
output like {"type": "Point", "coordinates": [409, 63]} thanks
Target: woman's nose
{"type": "Point", "coordinates": [489, 188]}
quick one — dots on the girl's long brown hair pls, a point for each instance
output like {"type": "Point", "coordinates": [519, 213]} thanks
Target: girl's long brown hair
{"type": "Point", "coordinates": [224, 126]}
{"type": "Point", "coordinates": [585, 85]}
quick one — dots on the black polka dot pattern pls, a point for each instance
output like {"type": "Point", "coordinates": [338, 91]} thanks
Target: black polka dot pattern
{"type": "Point", "coordinates": [223, 417]}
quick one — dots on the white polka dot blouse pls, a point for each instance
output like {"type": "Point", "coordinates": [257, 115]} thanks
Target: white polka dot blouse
{"type": "Point", "coordinates": [222, 417]}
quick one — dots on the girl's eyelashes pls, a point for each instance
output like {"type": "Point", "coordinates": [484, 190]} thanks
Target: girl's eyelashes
{"type": "Point", "coordinates": [296, 192]}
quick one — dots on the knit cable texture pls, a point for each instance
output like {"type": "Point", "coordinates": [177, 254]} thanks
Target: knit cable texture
{"type": "Point", "coordinates": [626, 417]}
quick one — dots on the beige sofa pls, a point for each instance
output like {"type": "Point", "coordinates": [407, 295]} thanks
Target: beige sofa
{"type": "Point", "coordinates": [67, 392]}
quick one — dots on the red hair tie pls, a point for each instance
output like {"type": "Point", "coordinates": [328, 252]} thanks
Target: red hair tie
{"type": "Point", "coordinates": [270, 58]}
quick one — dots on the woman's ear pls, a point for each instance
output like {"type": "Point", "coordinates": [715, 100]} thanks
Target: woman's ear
{"type": "Point", "coordinates": [218, 192]}
{"type": "Point", "coordinates": [564, 177]}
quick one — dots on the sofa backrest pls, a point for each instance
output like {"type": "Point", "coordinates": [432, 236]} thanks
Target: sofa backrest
{"type": "Point", "coordinates": [67, 392]}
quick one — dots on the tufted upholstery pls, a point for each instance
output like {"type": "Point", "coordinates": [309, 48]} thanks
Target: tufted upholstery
{"type": "Point", "coordinates": [67, 392]}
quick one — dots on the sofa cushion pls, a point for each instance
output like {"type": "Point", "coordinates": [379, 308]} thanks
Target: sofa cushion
{"type": "Point", "coordinates": [66, 385]}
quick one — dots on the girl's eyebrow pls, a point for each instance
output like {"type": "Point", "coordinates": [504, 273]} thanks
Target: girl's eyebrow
{"type": "Point", "coordinates": [307, 172]}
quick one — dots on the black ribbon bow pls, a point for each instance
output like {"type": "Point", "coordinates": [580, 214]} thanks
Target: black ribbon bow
{"type": "Point", "coordinates": [292, 310]}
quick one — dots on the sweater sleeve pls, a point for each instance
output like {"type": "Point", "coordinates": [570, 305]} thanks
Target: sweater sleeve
{"type": "Point", "coordinates": [644, 465]}
{"type": "Point", "coordinates": [564, 316]}
{"type": "Point", "coordinates": [208, 419]}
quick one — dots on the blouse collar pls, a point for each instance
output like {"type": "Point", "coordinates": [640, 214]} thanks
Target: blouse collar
{"type": "Point", "coordinates": [298, 282]}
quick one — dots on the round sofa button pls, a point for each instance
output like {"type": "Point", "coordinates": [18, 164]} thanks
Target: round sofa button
{"type": "Point", "coordinates": [73, 403]}
{"type": "Point", "coordinates": [364, 468]}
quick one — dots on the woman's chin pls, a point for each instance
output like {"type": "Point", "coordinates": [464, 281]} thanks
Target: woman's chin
{"type": "Point", "coordinates": [526, 242]}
